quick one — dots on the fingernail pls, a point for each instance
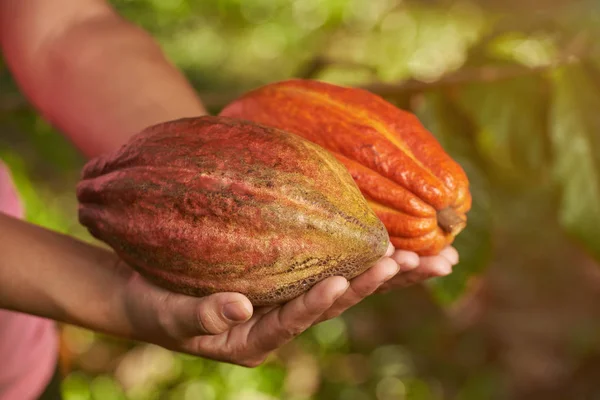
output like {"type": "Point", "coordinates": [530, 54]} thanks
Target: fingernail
{"type": "Point", "coordinates": [341, 291]}
{"type": "Point", "coordinates": [236, 311]}
{"type": "Point", "coordinates": [390, 250]}
{"type": "Point", "coordinates": [346, 286]}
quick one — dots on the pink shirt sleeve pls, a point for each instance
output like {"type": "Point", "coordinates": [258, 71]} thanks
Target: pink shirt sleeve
{"type": "Point", "coordinates": [28, 344]}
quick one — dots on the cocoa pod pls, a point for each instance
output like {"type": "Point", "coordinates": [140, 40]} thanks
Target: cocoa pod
{"type": "Point", "coordinates": [213, 204]}
{"type": "Point", "coordinates": [419, 192]}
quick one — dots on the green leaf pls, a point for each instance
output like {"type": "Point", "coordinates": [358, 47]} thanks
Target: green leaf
{"type": "Point", "coordinates": [534, 50]}
{"type": "Point", "coordinates": [38, 210]}
{"type": "Point", "coordinates": [575, 134]}
{"type": "Point", "coordinates": [474, 243]}
{"type": "Point", "coordinates": [511, 124]}
{"type": "Point", "coordinates": [104, 387]}
{"type": "Point", "coordinates": [76, 386]}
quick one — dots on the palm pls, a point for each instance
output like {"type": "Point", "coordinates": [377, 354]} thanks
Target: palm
{"type": "Point", "coordinates": [197, 326]}
{"type": "Point", "coordinates": [270, 327]}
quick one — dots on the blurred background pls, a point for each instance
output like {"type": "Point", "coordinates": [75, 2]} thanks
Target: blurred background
{"type": "Point", "coordinates": [511, 88]}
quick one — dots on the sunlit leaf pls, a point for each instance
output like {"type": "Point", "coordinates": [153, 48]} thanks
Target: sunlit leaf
{"type": "Point", "coordinates": [575, 137]}
{"type": "Point", "coordinates": [38, 210]}
{"type": "Point", "coordinates": [330, 334]}
{"type": "Point", "coordinates": [105, 388]}
{"type": "Point", "coordinates": [76, 386]}
{"type": "Point", "coordinates": [415, 41]}
{"type": "Point", "coordinates": [474, 243]}
{"type": "Point", "coordinates": [511, 119]}
{"type": "Point", "coordinates": [529, 50]}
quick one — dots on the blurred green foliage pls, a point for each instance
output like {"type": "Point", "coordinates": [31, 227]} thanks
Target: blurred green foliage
{"type": "Point", "coordinates": [509, 88]}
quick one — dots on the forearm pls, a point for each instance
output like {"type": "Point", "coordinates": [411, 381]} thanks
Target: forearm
{"type": "Point", "coordinates": [54, 276]}
{"type": "Point", "coordinates": [100, 79]}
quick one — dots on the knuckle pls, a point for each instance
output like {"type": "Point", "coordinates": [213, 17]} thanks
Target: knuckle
{"type": "Point", "coordinates": [293, 330]}
{"type": "Point", "coordinates": [357, 294]}
{"type": "Point", "coordinates": [289, 329]}
{"type": "Point", "coordinates": [208, 322]}
{"type": "Point", "coordinates": [354, 294]}
{"type": "Point", "coordinates": [333, 314]}
{"type": "Point", "coordinates": [351, 298]}
{"type": "Point", "coordinates": [195, 347]}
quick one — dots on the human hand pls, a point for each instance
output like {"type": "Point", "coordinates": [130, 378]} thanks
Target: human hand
{"type": "Point", "coordinates": [225, 327]}
{"type": "Point", "coordinates": [84, 285]}
{"type": "Point", "coordinates": [414, 269]}
{"type": "Point", "coordinates": [74, 282]}
{"type": "Point", "coordinates": [399, 269]}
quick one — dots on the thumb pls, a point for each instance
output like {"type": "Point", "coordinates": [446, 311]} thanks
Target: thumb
{"type": "Point", "coordinates": [210, 315]}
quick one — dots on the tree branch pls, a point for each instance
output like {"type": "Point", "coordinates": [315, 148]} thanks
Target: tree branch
{"type": "Point", "coordinates": [218, 99]}
{"type": "Point", "coordinates": [461, 77]}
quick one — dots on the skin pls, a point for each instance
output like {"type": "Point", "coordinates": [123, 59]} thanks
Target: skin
{"type": "Point", "coordinates": [99, 80]}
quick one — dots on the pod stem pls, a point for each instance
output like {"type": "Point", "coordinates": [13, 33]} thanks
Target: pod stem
{"type": "Point", "coordinates": [449, 220]}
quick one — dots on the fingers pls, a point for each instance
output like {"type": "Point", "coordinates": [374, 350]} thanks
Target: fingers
{"type": "Point", "coordinates": [220, 326]}
{"type": "Point", "coordinates": [435, 266]}
{"type": "Point", "coordinates": [450, 254]}
{"type": "Point", "coordinates": [362, 286]}
{"type": "Point", "coordinates": [284, 323]}
{"type": "Point", "coordinates": [407, 260]}
{"type": "Point", "coordinates": [185, 316]}
{"type": "Point", "coordinates": [430, 267]}
{"type": "Point", "coordinates": [425, 268]}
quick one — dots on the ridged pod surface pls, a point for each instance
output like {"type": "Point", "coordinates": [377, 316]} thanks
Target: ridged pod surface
{"type": "Point", "coordinates": [212, 204]}
{"type": "Point", "coordinates": [419, 192]}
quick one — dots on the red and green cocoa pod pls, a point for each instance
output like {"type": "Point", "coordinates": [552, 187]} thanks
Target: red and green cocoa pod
{"type": "Point", "coordinates": [213, 204]}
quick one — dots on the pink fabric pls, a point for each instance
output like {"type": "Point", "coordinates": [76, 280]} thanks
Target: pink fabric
{"type": "Point", "coordinates": [28, 344]}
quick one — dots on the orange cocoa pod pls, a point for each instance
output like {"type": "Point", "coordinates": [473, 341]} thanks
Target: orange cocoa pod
{"type": "Point", "coordinates": [417, 190]}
